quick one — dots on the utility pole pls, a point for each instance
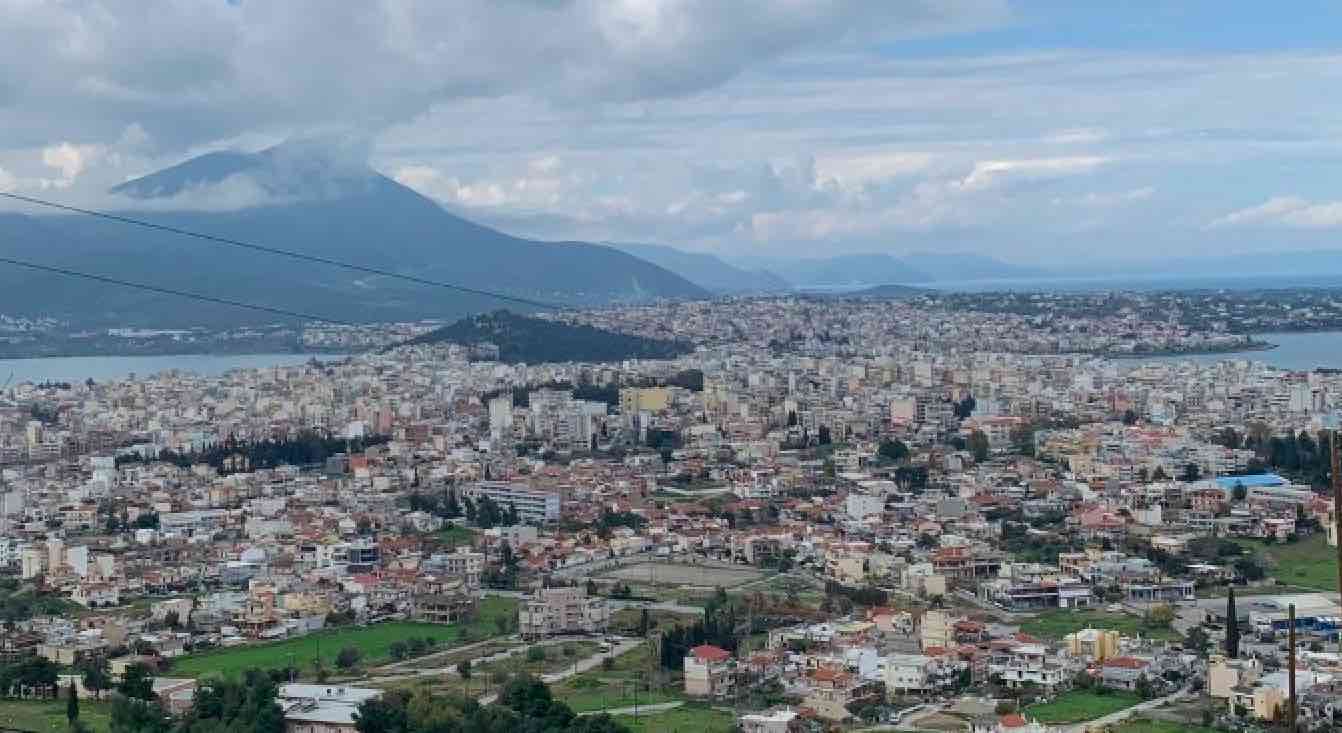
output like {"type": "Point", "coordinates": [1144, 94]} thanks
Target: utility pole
{"type": "Point", "coordinates": [1335, 477]}
{"type": "Point", "coordinates": [1290, 673]}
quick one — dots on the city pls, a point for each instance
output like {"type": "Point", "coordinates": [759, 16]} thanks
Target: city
{"type": "Point", "coordinates": [670, 366]}
{"type": "Point", "coordinates": [843, 517]}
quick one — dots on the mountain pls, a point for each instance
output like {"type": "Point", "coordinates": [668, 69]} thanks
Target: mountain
{"type": "Point", "coordinates": [536, 340]}
{"type": "Point", "coordinates": [706, 270]}
{"type": "Point", "coordinates": [967, 266]}
{"type": "Point", "coordinates": [850, 270]}
{"type": "Point", "coordinates": [888, 292]}
{"type": "Point", "coordinates": [313, 204]}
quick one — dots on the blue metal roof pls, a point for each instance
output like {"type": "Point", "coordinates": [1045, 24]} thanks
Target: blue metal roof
{"type": "Point", "coordinates": [1258, 479]}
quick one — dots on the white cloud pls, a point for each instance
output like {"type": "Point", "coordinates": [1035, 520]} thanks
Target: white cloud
{"type": "Point", "coordinates": [856, 170]}
{"type": "Point", "coordinates": [993, 172]}
{"type": "Point", "coordinates": [1287, 211]}
{"type": "Point", "coordinates": [7, 181]}
{"type": "Point", "coordinates": [71, 160]}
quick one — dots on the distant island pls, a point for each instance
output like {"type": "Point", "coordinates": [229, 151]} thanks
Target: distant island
{"type": "Point", "coordinates": [511, 338]}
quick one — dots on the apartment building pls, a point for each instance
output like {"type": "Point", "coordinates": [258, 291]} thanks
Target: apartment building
{"type": "Point", "coordinates": [554, 611]}
{"type": "Point", "coordinates": [532, 506]}
{"type": "Point", "coordinates": [709, 672]}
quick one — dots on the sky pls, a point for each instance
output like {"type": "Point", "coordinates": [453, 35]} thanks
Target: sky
{"type": "Point", "coordinates": [1037, 132]}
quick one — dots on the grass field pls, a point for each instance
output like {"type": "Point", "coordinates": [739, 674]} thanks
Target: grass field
{"type": "Point", "coordinates": [373, 641]}
{"type": "Point", "coordinates": [684, 719]}
{"type": "Point", "coordinates": [1059, 623]}
{"type": "Point", "coordinates": [621, 686]}
{"type": "Point", "coordinates": [1080, 705]}
{"type": "Point", "coordinates": [49, 715]}
{"type": "Point", "coordinates": [1147, 725]}
{"type": "Point", "coordinates": [457, 536]}
{"type": "Point", "coordinates": [1308, 563]}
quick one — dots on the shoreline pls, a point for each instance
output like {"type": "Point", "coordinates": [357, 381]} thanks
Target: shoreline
{"type": "Point", "coordinates": [1254, 347]}
{"type": "Point", "coordinates": [177, 355]}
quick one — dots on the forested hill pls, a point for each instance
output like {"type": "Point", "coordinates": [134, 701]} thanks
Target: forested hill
{"type": "Point", "coordinates": [520, 339]}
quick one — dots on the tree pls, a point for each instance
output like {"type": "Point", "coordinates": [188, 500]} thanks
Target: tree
{"type": "Point", "coordinates": [385, 714]}
{"type": "Point", "coordinates": [398, 650]}
{"type": "Point", "coordinates": [348, 657]}
{"type": "Point", "coordinates": [1160, 616]}
{"type": "Point", "coordinates": [1191, 473]}
{"type": "Point", "coordinates": [1239, 492]}
{"type": "Point", "coordinates": [893, 450]}
{"type": "Point", "coordinates": [132, 715]}
{"type": "Point", "coordinates": [1143, 687]}
{"type": "Point", "coordinates": [1129, 417]}
{"type": "Point", "coordinates": [1232, 626]}
{"type": "Point", "coordinates": [96, 676]}
{"type": "Point", "coordinates": [1159, 474]}
{"type": "Point", "coordinates": [464, 669]}
{"type": "Point", "coordinates": [236, 705]}
{"type": "Point", "coordinates": [452, 507]}
{"type": "Point", "coordinates": [978, 446]}
{"type": "Point", "coordinates": [137, 683]}
{"type": "Point", "coordinates": [1197, 641]}
{"type": "Point", "coordinates": [644, 622]}
{"type": "Point", "coordinates": [172, 619]}
{"type": "Point", "coordinates": [72, 704]}
{"type": "Point", "coordinates": [824, 436]}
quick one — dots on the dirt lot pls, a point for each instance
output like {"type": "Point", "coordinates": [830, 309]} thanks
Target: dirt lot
{"type": "Point", "coordinates": [664, 573]}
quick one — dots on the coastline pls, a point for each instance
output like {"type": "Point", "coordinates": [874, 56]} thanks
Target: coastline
{"type": "Point", "coordinates": [1172, 353]}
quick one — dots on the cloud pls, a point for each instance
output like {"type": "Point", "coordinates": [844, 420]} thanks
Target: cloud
{"type": "Point", "coordinates": [71, 160]}
{"type": "Point", "coordinates": [7, 181]}
{"type": "Point", "coordinates": [1285, 211]}
{"type": "Point", "coordinates": [995, 172]}
{"type": "Point", "coordinates": [192, 71]}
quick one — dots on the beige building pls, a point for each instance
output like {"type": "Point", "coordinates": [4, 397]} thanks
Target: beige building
{"type": "Point", "coordinates": [937, 629]}
{"type": "Point", "coordinates": [634, 400]}
{"type": "Point", "coordinates": [1092, 644]}
{"type": "Point", "coordinates": [1224, 675]}
{"type": "Point", "coordinates": [708, 672]}
{"type": "Point", "coordinates": [562, 611]}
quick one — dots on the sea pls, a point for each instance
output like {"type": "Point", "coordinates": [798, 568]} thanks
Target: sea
{"type": "Point", "coordinates": [1294, 351]}
{"type": "Point", "coordinates": [108, 368]}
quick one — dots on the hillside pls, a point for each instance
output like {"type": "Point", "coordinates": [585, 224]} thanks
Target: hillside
{"type": "Point", "coordinates": [520, 339]}
{"type": "Point", "coordinates": [312, 205]}
{"type": "Point", "coordinates": [708, 271]}
{"type": "Point", "coordinates": [848, 270]}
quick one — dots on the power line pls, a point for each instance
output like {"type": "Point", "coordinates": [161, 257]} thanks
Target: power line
{"type": "Point", "coordinates": [280, 252]}
{"type": "Point", "coordinates": [169, 291]}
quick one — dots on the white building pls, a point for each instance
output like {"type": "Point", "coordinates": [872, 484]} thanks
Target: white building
{"type": "Point", "coordinates": [532, 505]}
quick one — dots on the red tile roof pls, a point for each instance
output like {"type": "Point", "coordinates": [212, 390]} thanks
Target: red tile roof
{"type": "Point", "coordinates": [710, 653]}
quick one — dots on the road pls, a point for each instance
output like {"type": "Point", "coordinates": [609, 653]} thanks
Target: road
{"type": "Point", "coordinates": [1124, 714]}
{"type": "Point", "coordinates": [617, 603]}
{"type": "Point", "coordinates": [660, 707]}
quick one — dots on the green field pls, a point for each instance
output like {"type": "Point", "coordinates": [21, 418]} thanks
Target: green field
{"type": "Point", "coordinates": [1061, 622]}
{"type": "Point", "coordinates": [458, 536]}
{"type": "Point", "coordinates": [49, 715]}
{"type": "Point", "coordinates": [684, 719]}
{"type": "Point", "coordinates": [1308, 563]}
{"type": "Point", "coordinates": [621, 686]}
{"type": "Point", "coordinates": [373, 641]}
{"type": "Point", "coordinates": [1147, 725]}
{"type": "Point", "coordinates": [1080, 705]}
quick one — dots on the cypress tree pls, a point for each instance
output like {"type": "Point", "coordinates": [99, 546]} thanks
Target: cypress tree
{"type": "Point", "coordinates": [1232, 626]}
{"type": "Point", "coordinates": [72, 705]}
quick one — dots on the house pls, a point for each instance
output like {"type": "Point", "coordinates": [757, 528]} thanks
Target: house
{"type": "Point", "coordinates": [321, 708]}
{"type": "Point", "coordinates": [709, 671]}
{"type": "Point", "coordinates": [1123, 672]}
{"type": "Point", "coordinates": [834, 691]}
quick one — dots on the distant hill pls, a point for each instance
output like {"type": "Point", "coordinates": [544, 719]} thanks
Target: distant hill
{"type": "Point", "coordinates": [846, 270]}
{"type": "Point", "coordinates": [708, 271]}
{"type": "Point", "coordinates": [888, 292]}
{"type": "Point", "coordinates": [967, 266]}
{"type": "Point", "coordinates": [307, 202]}
{"type": "Point", "coordinates": [521, 339]}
